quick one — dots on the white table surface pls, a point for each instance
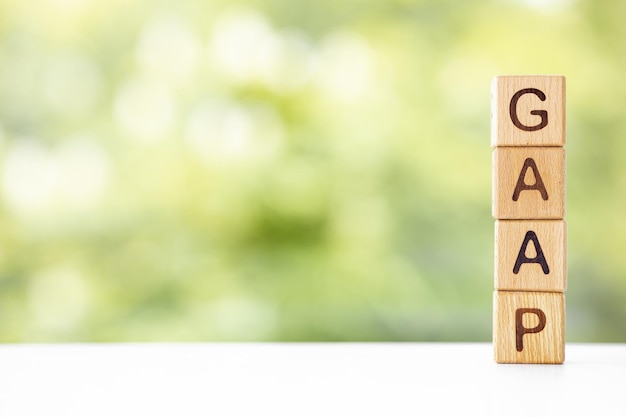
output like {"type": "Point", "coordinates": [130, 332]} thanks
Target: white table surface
{"type": "Point", "coordinates": [354, 379]}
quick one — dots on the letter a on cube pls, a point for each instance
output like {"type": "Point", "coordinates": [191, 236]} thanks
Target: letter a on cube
{"type": "Point", "coordinates": [530, 255]}
{"type": "Point", "coordinates": [528, 183]}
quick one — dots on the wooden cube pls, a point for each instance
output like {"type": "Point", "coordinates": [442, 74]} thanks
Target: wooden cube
{"type": "Point", "coordinates": [528, 111]}
{"type": "Point", "coordinates": [528, 183]}
{"type": "Point", "coordinates": [529, 327]}
{"type": "Point", "coordinates": [531, 255]}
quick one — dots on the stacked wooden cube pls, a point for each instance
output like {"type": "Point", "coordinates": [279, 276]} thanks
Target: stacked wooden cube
{"type": "Point", "coordinates": [528, 135]}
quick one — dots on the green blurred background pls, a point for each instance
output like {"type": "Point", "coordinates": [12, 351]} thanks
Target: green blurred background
{"type": "Point", "coordinates": [279, 170]}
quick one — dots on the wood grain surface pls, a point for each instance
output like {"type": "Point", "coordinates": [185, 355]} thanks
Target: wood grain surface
{"type": "Point", "coordinates": [528, 183]}
{"type": "Point", "coordinates": [519, 336]}
{"type": "Point", "coordinates": [531, 255]}
{"type": "Point", "coordinates": [528, 111]}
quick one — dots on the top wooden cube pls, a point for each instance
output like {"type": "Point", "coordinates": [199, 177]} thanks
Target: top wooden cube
{"type": "Point", "coordinates": [528, 110]}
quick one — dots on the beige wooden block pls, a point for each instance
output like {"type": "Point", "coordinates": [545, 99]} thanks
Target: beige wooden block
{"type": "Point", "coordinates": [528, 110]}
{"type": "Point", "coordinates": [528, 183]}
{"type": "Point", "coordinates": [531, 255]}
{"type": "Point", "coordinates": [529, 327]}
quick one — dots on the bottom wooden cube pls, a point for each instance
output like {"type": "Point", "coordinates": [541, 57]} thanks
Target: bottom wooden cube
{"type": "Point", "coordinates": [529, 327]}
